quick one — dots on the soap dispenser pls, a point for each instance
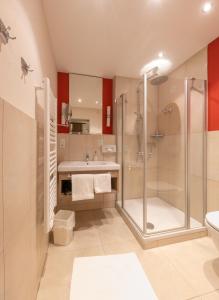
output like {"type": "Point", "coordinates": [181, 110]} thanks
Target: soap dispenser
{"type": "Point", "coordinates": [95, 158]}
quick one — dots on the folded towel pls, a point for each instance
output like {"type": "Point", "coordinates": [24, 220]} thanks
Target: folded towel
{"type": "Point", "coordinates": [102, 183]}
{"type": "Point", "coordinates": [82, 187]}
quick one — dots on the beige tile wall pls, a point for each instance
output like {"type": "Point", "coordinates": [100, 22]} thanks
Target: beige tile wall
{"type": "Point", "coordinates": [1, 209]}
{"type": "Point", "coordinates": [76, 147]}
{"type": "Point", "coordinates": [19, 150]}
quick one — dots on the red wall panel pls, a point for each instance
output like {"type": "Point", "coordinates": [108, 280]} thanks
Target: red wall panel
{"type": "Point", "coordinates": [63, 96]}
{"type": "Point", "coordinates": [213, 85]}
{"type": "Point", "coordinates": [107, 101]}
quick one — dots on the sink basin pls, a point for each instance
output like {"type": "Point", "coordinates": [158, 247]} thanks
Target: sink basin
{"type": "Point", "coordinates": [82, 166]}
{"type": "Point", "coordinates": [98, 163]}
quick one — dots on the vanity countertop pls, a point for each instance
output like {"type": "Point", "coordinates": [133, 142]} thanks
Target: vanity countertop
{"type": "Point", "coordinates": [83, 166]}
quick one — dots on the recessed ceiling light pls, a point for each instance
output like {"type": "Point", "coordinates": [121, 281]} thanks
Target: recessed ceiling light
{"type": "Point", "coordinates": [207, 7]}
{"type": "Point", "coordinates": [160, 54]}
{"type": "Point", "coordinates": [97, 102]}
{"type": "Point", "coordinates": [79, 100]}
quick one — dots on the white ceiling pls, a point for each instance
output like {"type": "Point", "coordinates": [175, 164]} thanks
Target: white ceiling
{"type": "Point", "coordinates": [118, 37]}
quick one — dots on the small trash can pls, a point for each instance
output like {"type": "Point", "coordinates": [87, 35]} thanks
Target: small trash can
{"type": "Point", "coordinates": [64, 223]}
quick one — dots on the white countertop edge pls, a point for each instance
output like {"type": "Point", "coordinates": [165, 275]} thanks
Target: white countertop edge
{"type": "Point", "coordinates": [87, 168]}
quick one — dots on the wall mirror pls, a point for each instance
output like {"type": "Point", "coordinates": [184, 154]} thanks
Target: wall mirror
{"type": "Point", "coordinates": [85, 104]}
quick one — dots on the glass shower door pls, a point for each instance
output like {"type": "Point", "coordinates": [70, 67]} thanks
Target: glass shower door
{"type": "Point", "coordinates": [133, 151]}
{"type": "Point", "coordinates": [119, 137]}
{"type": "Point", "coordinates": [166, 155]}
{"type": "Point", "coordinates": [197, 143]}
{"type": "Point", "coordinates": [176, 154]}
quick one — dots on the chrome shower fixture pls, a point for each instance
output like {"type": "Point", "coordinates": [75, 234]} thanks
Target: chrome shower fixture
{"type": "Point", "coordinates": [154, 76]}
{"type": "Point", "coordinates": [152, 73]}
{"type": "Point", "coordinates": [158, 80]}
{"type": "Point", "coordinates": [5, 34]}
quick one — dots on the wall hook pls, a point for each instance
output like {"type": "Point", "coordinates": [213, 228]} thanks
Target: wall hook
{"type": "Point", "coordinates": [5, 34]}
{"type": "Point", "coordinates": [25, 67]}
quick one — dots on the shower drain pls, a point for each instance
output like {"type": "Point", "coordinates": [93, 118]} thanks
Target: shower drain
{"type": "Point", "coordinates": [150, 226]}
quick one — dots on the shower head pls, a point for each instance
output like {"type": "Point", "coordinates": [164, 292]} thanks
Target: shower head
{"type": "Point", "coordinates": [159, 80]}
{"type": "Point", "coordinates": [152, 73]}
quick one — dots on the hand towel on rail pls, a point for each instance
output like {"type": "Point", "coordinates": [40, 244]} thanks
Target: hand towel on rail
{"type": "Point", "coordinates": [102, 183]}
{"type": "Point", "coordinates": [82, 187]}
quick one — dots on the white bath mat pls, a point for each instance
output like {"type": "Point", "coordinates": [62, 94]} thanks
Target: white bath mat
{"type": "Point", "coordinates": [113, 277]}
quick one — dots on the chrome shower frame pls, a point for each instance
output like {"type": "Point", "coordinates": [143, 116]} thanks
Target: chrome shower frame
{"type": "Point", "coordinates": [143, 232]}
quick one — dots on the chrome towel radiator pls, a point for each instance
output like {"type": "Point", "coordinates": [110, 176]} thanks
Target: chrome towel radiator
{"type": "Point", "coordinates": [50, 155]}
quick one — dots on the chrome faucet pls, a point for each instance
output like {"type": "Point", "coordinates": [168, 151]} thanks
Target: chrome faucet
{"type": "Point", "coordinates": [87, 157]}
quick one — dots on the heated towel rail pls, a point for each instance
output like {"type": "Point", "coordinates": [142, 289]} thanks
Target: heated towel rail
{"type": "Point", "coordinates": [51, 155]}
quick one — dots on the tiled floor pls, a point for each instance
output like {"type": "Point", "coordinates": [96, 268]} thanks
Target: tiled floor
{"type": "Point", "coordinates": [188, 270]}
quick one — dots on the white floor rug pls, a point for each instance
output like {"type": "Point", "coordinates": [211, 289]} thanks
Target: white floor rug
{"type": "Point", "coordinates": [113, 277]}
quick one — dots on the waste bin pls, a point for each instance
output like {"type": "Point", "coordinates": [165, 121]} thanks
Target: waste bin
{"type": "Point", "coordinates": [64, 223]}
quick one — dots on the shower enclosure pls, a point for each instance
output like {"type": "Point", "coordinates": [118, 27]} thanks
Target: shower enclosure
{"type": "Point", "coordinates": [161, 138]}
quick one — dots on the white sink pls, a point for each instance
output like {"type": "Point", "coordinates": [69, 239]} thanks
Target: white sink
{"type": "Point", "coordinates": [98, 163]}
{"type": "Point", "coordinates": [82, 166]}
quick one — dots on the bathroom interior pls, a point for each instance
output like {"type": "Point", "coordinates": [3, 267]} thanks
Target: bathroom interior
{"type": "Point", "coordinates": [109, 136]}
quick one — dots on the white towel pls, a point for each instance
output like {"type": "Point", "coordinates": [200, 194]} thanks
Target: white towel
{"type": "Point", "coordinates": [102, 183]}
{"type": "Point", "coordinates": [82, 187]}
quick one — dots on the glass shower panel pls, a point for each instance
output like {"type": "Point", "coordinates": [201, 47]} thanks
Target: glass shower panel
{"type": "Point", "coordinates": [133, 151]}
{"type": "Point", "coordinates": [119, 133]}
{"type": "Point", "coordinates": [197, 150]}
{"type": "Point", "coordinates": [166, 155]}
